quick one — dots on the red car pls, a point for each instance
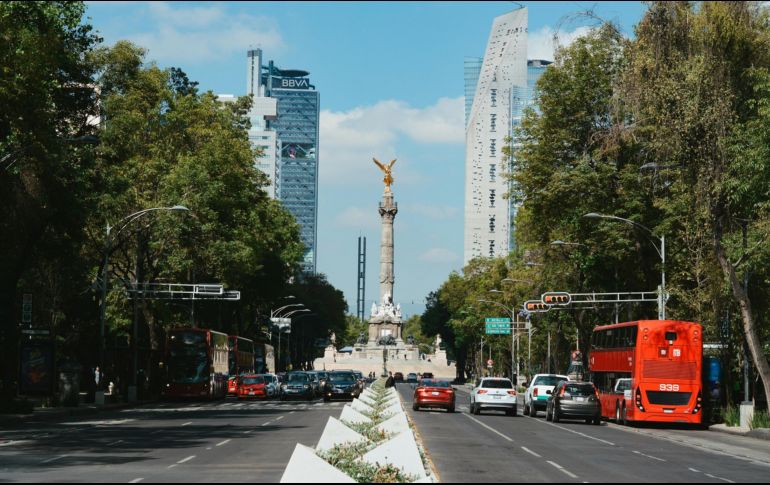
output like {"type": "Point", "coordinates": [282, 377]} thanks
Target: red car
{"type": "Point", "coordinates": [232, 386]}
{"type": "Point", "coordinates": [432, 393]}
{"type": "Point", "coordinates": [251, 385]}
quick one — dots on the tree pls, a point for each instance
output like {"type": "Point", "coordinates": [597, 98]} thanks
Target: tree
{"type": "Point", "coordinates": [45, 178]}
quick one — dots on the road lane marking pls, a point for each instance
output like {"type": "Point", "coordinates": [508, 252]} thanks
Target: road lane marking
{"type": "Point", "coordinates": [530, 452]}
{"type": "Point", "coordinates": [694, 470]}
{"type": "Point", "coordinates": [279, 418]}
{"type": "Point", "coordinates": [649, 456]}
{"type": "Point", "coordinates": [136, 480]}
{"type": "Point", "coordinates": [184, 460]}
{"type": "Point", "coordinates": [187, 423]}
{"type": "Point", "coordinates": [114, 442]}
{"type": "Point", "coordinates": [488, 427]}
{"type": "Point", "coordinates": [171, 466]}
{"type": "Point", "coordinates": [719, 478]}
{"type": "Point", "coordinates": [265, 424]}
{"type": "Point", "coordinates": [573, 431]}
{"type": "Point", "coordinates": [559, 467]}
{"type": "Point", "coordinates": [223, 443]}
{"type": "Point", "coordinates": [54, 458]}
{"type": "Point", "coordinates": [292, 412]}
{"type": "Point", "coordinates": [247, 431]}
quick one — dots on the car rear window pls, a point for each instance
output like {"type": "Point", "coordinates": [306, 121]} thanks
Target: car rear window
{"type": "Point", "coordinates": [496, 384]}
{"type": "Point", "coordinates": [432, 383]}
{"type": "Point", "coordinates": [579, 389]}
{"type": "Point", "coordinates": [341, 377]}
{"type": "Point", "coordinates": [548, 380]}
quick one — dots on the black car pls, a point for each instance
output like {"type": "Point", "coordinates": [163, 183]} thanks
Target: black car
{"type": "Point", "coordinates": [411, 377]}
{"type": "Point", "coordinates": [574, 400]}
{"type": "Point", "coordinates": [297, 385]}
{"type": "Point", "coordinates": [341, 385]}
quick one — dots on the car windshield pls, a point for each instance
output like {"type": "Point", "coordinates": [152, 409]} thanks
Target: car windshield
{"type": "Point", "coordinates": [496, 384]}
{"type": "Point", "coordinates": [548, 380]}
{"type": "Point", "coordinates": [253, 380]}
{"type": "Point", "coordinates": [585, 389]}
{"type": "Point", "coordinates": [342, 377]}
{"type": "Point", "coordinates": [412, 374]}
{"type": "Point", "coordinates": [433, 383]}
{"type": "Point", "coordinates": [298, 378]}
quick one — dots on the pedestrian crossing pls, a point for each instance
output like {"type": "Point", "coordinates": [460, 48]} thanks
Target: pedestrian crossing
{"type": "Point", "coordinates": [287, 405]}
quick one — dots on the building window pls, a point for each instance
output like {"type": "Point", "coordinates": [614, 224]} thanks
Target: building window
{"type": "Point", "coordinates": [492, 224]}
{"type": "Point", "coordinates": [493, 147]}
{"type": "Point", "coordinates": [493, 97]}
{"type": "Point", "coordinates": [492, 172]}
{"type": "Point", "coordinates": [491, 248]}
{"type": "Point", "coordinates": [493, 121]}
{"type": "Point", "coordinates": [492, 198]}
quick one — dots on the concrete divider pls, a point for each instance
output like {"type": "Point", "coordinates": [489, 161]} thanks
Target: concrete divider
{"type": "Point", "coordinates": [352, 416]}
{"type": "Point", "coordinates": [307, 467]}
{"type": "Point", "coordinates": [337, 433]}
{"type": "Point", "coordinates": [402, 452]}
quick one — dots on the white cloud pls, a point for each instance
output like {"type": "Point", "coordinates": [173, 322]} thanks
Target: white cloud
{"type": "Point", "coordinates": [199, 35]}
{"type": "Point", "coordinates": [349, 139]}
{"type": "Point", "coordinates": [541, 45]}
{"type": "Point", "coordinates": [439, 255]}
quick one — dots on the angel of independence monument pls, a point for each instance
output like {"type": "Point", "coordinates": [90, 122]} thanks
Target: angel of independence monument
{"type": "Point", "coordinates": [385, 321]}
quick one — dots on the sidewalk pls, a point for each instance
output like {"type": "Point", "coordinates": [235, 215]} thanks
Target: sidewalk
{"type": "Point", "coordinates": [761, 433]}
{"type": "Point", "coordinates": [47, 414]}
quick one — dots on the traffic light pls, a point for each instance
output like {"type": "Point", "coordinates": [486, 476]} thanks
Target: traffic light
{"type": "Point", "coordinates": [536, 306]}
{"type": "Point", "coordinates": [560, 298]}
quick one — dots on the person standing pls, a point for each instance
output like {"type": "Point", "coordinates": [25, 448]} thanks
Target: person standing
{"type": "Point", "coordinates": [97, 376]}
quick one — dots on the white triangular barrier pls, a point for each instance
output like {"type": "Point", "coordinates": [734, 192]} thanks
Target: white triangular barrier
{"type": "Point", "coordinates": [307, 467]}
{"type": "Point", "coordinates": [352, 416]}
{"type": "Point", "coordinates": [336, 433]}
{"type": "Point", "coordinates": [400, 451]}
{"type": "Point", "coordinates": [395, 425]}
{"type": "Point", "coordinates": [361, 406]}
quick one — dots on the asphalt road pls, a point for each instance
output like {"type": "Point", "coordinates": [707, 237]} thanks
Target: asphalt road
{"type": "Point", "coordinates": [170, 442]}
{"type": "Point", "coordinates": [494, 447]}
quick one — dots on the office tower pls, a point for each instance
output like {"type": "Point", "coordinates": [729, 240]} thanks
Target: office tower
{"type": "Point", "coordinates": [489, 123]}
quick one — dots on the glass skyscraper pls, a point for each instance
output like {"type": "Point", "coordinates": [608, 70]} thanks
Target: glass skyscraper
{"type": "Point", "coordinates": [296, 129]}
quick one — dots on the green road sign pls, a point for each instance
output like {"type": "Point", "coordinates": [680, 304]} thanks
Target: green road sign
{"type": "Point", "coordinates": [497, 320]}
{"type": "Point", "coordinates": [498, 331]}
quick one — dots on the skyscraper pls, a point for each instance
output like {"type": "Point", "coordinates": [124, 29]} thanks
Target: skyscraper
{"type": "Point", "coordinates": [488, 124]}
{"type": "Point", "coordinates": [522, 97]}
{"type": "Point", "coordinates": [296, 130]}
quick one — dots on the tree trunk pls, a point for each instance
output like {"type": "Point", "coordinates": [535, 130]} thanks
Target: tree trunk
{"type": "Point", "coordinates": [742, 298]}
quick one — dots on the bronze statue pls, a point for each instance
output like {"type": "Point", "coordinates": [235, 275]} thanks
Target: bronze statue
{"type": "Point", "coordinates": [388, 175]}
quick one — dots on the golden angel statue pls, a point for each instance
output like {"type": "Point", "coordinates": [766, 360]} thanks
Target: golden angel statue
{"type": "Point", "coordinates": [388, 175]}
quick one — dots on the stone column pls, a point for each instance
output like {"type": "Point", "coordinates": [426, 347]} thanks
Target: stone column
{"type": "Point", "coordinates": [388, 211]}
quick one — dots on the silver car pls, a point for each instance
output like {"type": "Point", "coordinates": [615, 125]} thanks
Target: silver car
{"type": "Point", "coordinates": [273, 386]}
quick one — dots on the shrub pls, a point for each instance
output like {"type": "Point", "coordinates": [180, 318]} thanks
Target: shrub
{"type": "Point", "coordinates": [732, 416]}
{"type": "Point", "coordinates": [760, 419]}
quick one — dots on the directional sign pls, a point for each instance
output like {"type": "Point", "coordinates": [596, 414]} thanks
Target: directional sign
{"type": "Point", "coordinates": [31, 331]}
{"type": "Point", "coordinates": [497, 320]}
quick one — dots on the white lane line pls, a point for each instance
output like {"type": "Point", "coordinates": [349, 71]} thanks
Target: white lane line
{"type": "Point", "coordinates": [54, 458]}
{"type": "Point", "coordinates": [559, 467]}
{"type": "Point", "coordinates": [649, 456]}
{"type": "Point", "coordinates": [184, 460]}
{"type": "Point", "coordinates": [265, 424]}
{"type": "Point", "coordinates": [530, 452]}
{"type": "Point", "coordinates": [292, 412]}
{"type": "Point", "coordinates": [279, 418]}
{"type": "Point", "coordinates": [247, 431]}
{"type": "Point", "coordinates": [488, 427]}
{"type": "Point", "coordinates": [694, 470]}
{"type": "Point", "coordinates": [171, 466]}
{"type": "Point", "coordinates": [114, 442]}
{"type": "Point", "coordinates": [573, 431]}
{"type": "Point", "coordinates": [719, 478]}
{"type": "Point", "coordinates": [187, 423]}
{"type": "Point", "coordinates": [223, 443]}
{"type": "Point", "coordinates": [136, 480]}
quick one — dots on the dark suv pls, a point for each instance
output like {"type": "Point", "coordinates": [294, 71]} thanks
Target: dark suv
{"type": "Point", "coordinates": [341, 385]}
{"type": "Point", "coordinates": [297, 384]}
{"type": "Point", "coordinates": [574, 400]}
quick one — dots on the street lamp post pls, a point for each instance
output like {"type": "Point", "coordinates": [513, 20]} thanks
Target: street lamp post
{"type": "Point", "coordinates": [661, 252]}
{"type": "Point", "coordinates": [276, 314]}
{"type": "Point", "coordinates": [106, 275]}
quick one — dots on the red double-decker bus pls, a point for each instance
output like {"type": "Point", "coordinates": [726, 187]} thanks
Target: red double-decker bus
{"type": "Point", "coordinates": [197, 364]}
{"type": "Point", "coordinates": [648, 370]}
{"type": "Point", "coordinates": [240, 360]}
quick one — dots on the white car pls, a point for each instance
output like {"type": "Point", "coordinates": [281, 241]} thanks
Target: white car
{"type": "Point", "coordinates": [273, 386]}
{"type": "Point", "coordinates": [494, 393]}
{"type": "Point", "coordinates": [536, 397]}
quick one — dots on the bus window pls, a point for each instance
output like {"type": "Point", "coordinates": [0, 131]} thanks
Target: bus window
{"type": "Point", "coordinates": [670, 336]}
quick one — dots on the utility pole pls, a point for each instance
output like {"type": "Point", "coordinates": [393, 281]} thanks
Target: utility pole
{"type": "Point", "coordinates": [361, 300]}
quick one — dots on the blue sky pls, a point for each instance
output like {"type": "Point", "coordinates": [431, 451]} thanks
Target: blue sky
{"type": "Point", "coordinates": [390, 76]}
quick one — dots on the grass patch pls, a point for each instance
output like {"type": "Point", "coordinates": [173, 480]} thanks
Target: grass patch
{"type": "Point", "coordinates": [760, 419]}
{"type": "Point", "coordinates": [732, 416]}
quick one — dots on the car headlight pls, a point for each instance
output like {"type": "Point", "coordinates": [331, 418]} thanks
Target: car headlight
{"type": "Point", "coordinates": [307, 386]}
{"type": "Point", "coordinates": [283, 387]}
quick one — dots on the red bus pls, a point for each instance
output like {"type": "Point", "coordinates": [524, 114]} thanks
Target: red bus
{"type": "Point", "coordinates": [264, 356]}
{"type": "Point", "coordinates": [648, 370]}
{"type": "Point", "coordinates": [197, 363]}
{"type": "Point", "coordinates": [240, 360]}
